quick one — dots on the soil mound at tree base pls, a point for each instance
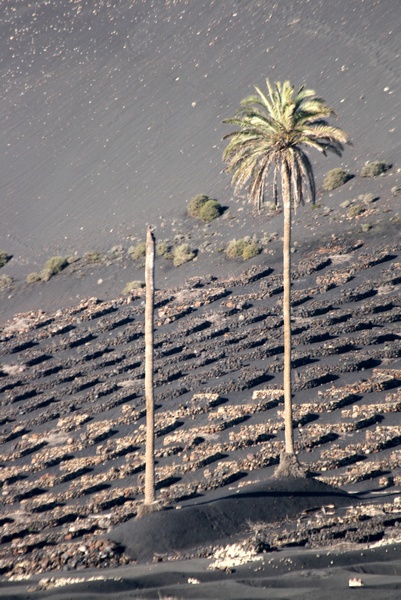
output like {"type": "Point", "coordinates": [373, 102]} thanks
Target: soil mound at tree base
{"type": "Point", "coordinates": [169, 532]}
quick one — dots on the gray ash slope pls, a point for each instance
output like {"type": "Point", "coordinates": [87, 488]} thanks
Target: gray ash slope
{"type": "Point", "coordinates": [112, 112]}
{"type": "Point", "coordinates": [73, 415]}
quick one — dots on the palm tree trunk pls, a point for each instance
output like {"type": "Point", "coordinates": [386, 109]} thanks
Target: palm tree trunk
{"type": "Point", "coordinates": [289, 433]}
{"type": "Point", "coordinates": [289, 465]}
{"type": "Point", "coordinates": [149, 318]}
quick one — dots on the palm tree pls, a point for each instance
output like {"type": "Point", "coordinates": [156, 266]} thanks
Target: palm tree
{"type": "Point", "coordinates": [272, 131]}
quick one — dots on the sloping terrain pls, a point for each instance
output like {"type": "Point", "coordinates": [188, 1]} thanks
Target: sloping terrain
{"type": "Point", "coordinates": [112, 111]}
{"type": "Point", "coordinates": [112, 119]}
{"type": "Point", "coordinates": [73, 415]}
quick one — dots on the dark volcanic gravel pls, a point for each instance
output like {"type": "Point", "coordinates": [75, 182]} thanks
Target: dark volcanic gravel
{"type": "Point", "coordinates": [73, 420]}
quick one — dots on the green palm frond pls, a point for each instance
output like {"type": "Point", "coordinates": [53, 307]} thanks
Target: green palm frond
{"type": "Point", "coordinates": [301, 96]}
{"type": "Point", "coordinates": [324, 131]}
{"type": "Point", "coordinates": [315, 105]}
{"type": "Point", "coordinates": [260, 101]}
{"type": "Point", "coordinates": [306, 170]}
{"type": "Point", "coordinates": [271, 129]}
{"type": "Point", "coordinates": [296, 181]}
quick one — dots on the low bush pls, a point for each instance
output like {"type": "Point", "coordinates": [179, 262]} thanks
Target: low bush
{"type": "Point", "coordinates": [93, 257]}
{"type": "Point", "coordinates": [182, 254]}
{"type": "Point", "coordinates": [250, 250]}
{"type": "Point", "coordinates": [204, 208]}
{"type": "Point", "coordinates": [244, 248]}
{"type": "Point", "coordinates": [367, 198]}
{"type": "Point", "coordinates": [235, 248]}
{"type": "Point", "coordinates": [4, 258]}
{"type": "Point", "coordinates": [196, 203]}
{"type": "Point", "coordinates": [33, 278]}
{"type": "Point", "coordinates": [355, 210]}
{"type": "Point", "coordinates": [54, 265]}
{"type": "Point", "coordinates": [133, 286]}
{"type": "Point", "coordinates": [335, 178]}
{"type": "Point", "coordinates": [116, 252]}
{"type": "Point", "coordinates": [5, 282]}
{"type": "Point", "coordinates": [163, 249]}
{"type": "Point", "coordinates": [138, 251]}
{"type": "Point", "coordinates": [269, 237]}
{"type": "Point", "coordinates": [210, 210]}
{"type": "Point", "coordinates": [374, 168]}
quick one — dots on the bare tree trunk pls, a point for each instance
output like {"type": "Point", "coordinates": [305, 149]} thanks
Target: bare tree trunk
{"type": "Point", "coordinates": [289, 433]}
{"type": "Point", "coordinates": [149, 326]}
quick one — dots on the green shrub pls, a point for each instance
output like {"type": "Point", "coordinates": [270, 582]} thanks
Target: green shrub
{"type": "Point", "coordinates": [210, 210]}
{"type": "Point", "coordinates": [235, 248]}
{"type": "Point", "coordinates": [204, 208]}
{"type": "Point", "coordinates": [93, 257]}
{"type": "Point", "coordinates": [54, 265]}
{"type": "Point", "coordinates": [116, 252]}
{"type": "Point", "coordinates": [244, 248]}
{"type": "Point", "coordinates": [132, 286]}
{"type": "Point", "coordinates": [374, 168]}
{"type": "Point", "coordinates": [367, 198]}
{"type": "Point", "coordinates": [5, 282]}
{"type": "Point", "coordinates": [366, 227]}
{"type": "Point", "coordinates": [182, 254]}
{"type": "Point", "coordinates": [138, 251]}
{"type": "Point", "coordinates": [163, 249]}
{"type": "Point", "coordinates": [335, 178]}
{"type": "Point", "coordinates": [269, 237]}
{"type": "Point", "coordinates": [195, 205]}
{"type": "Point", "coordinates": [4, 258]}
{"type": "Point", "coordinates": [33, 278]}
{"type": "Point", "coordinates": [250, 250]}
{"type": "Point", "coordinates": [396, 190]}
{"type": "Point", "coordinates": [355, 210]}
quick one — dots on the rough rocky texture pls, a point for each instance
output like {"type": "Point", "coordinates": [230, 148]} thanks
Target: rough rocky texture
{"type": "Point", "coordinates": [72, 423]}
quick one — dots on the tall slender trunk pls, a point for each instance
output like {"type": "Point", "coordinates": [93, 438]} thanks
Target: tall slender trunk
{"type": "Point", "coordinates": [289, 433]}
{"type": "Point", "coordinates": [149, 318]}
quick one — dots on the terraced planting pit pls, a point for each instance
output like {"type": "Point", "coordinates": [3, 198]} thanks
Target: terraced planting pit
{"type": "Point", "coordinates": [72, 434]}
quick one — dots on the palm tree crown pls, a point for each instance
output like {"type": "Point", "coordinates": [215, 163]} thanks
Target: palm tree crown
{"type": "Point", "coordinates": [273, 129]}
